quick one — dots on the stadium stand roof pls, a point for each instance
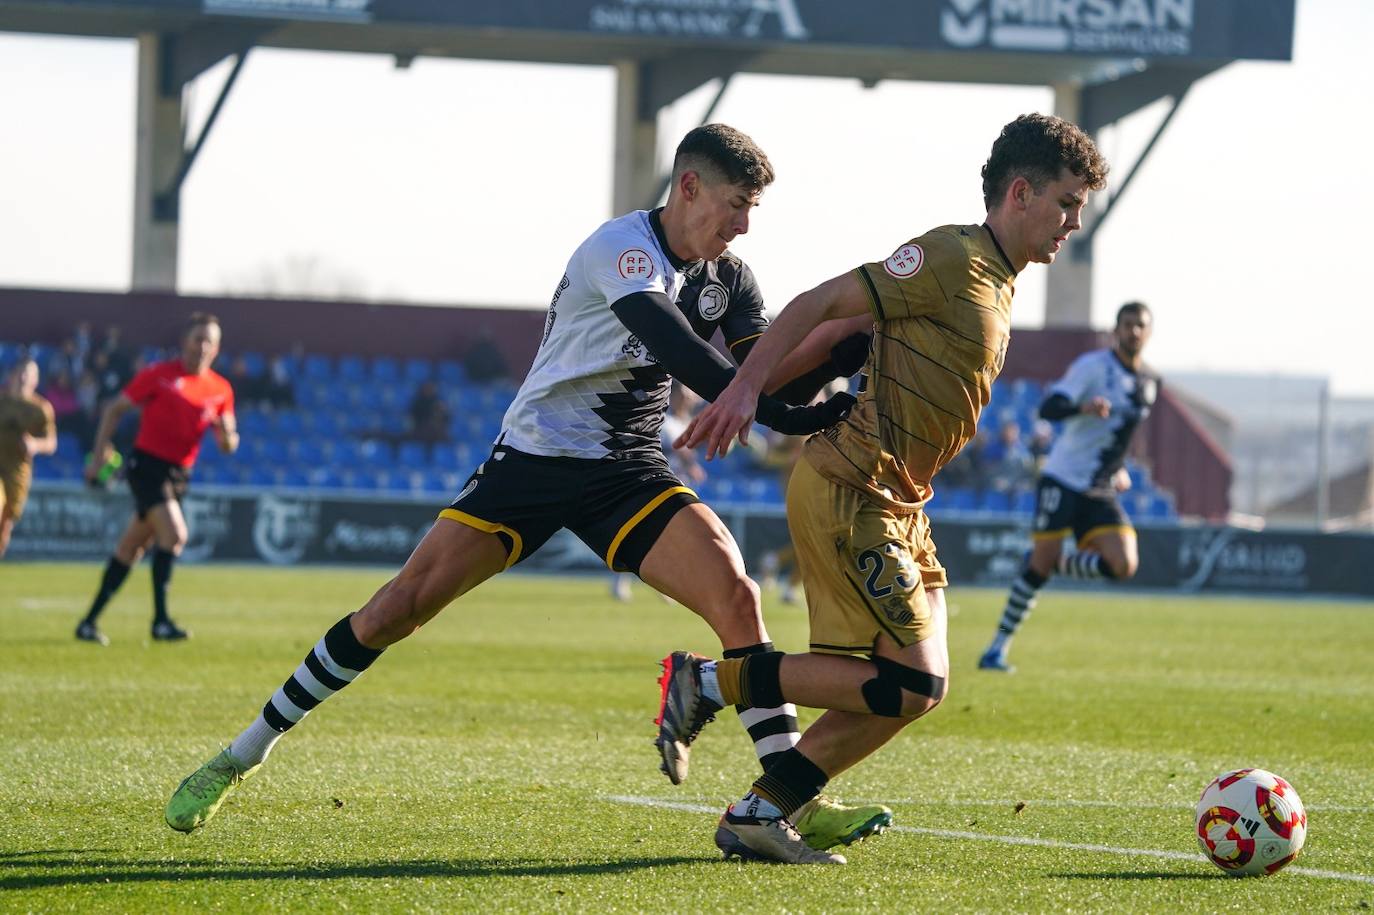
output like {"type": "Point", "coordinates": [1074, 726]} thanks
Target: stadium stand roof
{"type": "Point", "coordinates": [1104, 59]}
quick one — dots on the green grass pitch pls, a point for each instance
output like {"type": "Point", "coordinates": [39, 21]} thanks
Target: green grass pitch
{"type": "Point", "coordinates": [502, 759]}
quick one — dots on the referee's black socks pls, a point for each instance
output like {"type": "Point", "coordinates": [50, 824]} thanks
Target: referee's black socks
{"type": "Point", "coordinates": [115, 573]}
{"type": "Point", "coordinates": [162, 575]}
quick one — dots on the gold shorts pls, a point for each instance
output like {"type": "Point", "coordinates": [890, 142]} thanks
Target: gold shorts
{"type": "Point", "coordinates": [866, 570]}
{"type": "Point", "coordinates": [14, 489]}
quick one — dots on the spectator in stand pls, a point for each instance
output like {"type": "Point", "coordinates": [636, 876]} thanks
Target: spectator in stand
{"type": "Point", "coordinates": [484, 362]}
{"type": "Point", "coordinates": [249, 389]}
{"type": "Point", "coordinates": [1041, 438]}
{"type": "Point", "coordinates": [88, 408]}
{"type": "Point", "coordinates": [62, 396]}
{"type": "Point", "coordinates": [1010, 467]}
{"type": "Point", "coordinates": [429, 415]}
{"type": "Point", "coordinates": [277, 383]}
{"type": "Point", "coordinates": [66, 361]}
{"type": "Point", "coordinates": [117, 358]}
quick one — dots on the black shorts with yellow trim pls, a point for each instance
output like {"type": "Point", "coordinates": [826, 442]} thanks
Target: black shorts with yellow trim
{"type": "Point", "coordinates": [1060, 510]}
{"type": "Point", "coordinates": [618, 506]}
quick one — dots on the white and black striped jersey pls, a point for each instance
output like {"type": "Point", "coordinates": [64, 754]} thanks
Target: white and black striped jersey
{"type": "Point", "coordinates": [1090, 449]}
{"type": "Point", "coordinates": [594, 389]}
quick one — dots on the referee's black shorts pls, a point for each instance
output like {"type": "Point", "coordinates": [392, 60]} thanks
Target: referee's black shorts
{"type": "Point", "coordinates": [155, 481]}
{"type": "Point", "coordinates": [617, 506]}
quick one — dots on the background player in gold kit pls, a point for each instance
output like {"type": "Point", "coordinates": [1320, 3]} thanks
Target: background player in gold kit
{"type": "Point", "coordinates": [27, 429]}
{"type": "Point", "coordinates": [942, 303]}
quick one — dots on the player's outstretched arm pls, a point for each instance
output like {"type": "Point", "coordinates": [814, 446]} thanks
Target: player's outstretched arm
{"type": "Point", "coordinates": [109, 421]}
{"type": "Point", "coordinates": [227, 433]}
{"type": "Point", "coordinates": [729, 415]}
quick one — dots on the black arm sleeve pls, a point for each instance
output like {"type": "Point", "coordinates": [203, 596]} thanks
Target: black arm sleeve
{"type": "Point", "coordinates": [846, 358]}
{"type": "Point", "coordinates": [656, 321]}
{"type": "Point", "coordinates": [1057, 406]}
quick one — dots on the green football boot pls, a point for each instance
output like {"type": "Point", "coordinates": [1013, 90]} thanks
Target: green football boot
{"type": "Point", "coordinates": [825, 823]}
{"type": "Point", "coordinates": [199, 796]}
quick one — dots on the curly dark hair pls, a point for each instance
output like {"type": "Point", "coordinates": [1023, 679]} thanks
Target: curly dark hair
{"type": "Point", "coordinates": [723, 153]}
{"type": "Point", "coordinates": [1037, 147]}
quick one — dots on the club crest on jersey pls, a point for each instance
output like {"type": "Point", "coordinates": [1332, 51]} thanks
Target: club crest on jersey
{"type": "Point", "coordinates": [905, 261]}
{"type": "Point", "coordinates": [635, 264]}
{"type": "Point", "coordinates": [713, 301]}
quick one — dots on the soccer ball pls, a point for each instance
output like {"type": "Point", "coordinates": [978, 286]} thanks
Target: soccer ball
{"type": "Point", "coordinates": [1250, 823]}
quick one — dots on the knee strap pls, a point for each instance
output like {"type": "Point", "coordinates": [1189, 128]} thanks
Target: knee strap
{"type": "Point", "coordinates": [884, 692]}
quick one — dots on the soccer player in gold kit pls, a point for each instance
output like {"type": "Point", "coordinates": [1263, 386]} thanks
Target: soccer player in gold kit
{"type": "Point", "coordinates": [855, 505]}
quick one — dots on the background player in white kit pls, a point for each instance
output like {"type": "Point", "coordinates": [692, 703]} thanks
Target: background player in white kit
{"type": "Point", "coordinates": [1102, 399]}
{"type": "Point", "coordinates": [580, 449]}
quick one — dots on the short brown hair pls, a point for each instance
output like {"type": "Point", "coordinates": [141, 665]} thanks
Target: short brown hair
{"type": "Point", "coordinates": [1037, 147]}
{"type": "Point", "coordinates": [199, 319]}
{"type": "Point", "coordinates": [725, 154]}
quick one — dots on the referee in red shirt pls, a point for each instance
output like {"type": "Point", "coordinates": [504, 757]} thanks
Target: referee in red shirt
{"type": "Point", "coordinates": [180, 399]}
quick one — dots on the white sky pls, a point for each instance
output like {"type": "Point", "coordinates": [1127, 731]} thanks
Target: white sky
{"type": "Point", "coordinates": [471, 182]}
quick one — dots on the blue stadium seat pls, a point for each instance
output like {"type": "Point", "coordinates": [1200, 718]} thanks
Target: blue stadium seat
{"type": "Point", "coordinates": [310, 452]}
{"type": "Point", "coordinates": [288, 424]}
{"type": "Point", "coordinates": [418, 370]}
{"type": "Point", "coordinates": [318, 367]}
{"type": "Point", "coordinates": [295, 477]}
{"type": "Point", "coordinates": [352, 368]}
{"type": "Point", "coordinates": [994, 501]}
{"type": "Point", "coordinates": [215, 475]}
{"type": "Point", "coordinates": [68, 446]}
{"type": "Point", "coordinates": [955, 498]}
{"type": "Point", "coordinates": [721, 489]}
{"type": "Point", "coordinates": [1024, 503]}
{"type": "Point", "coordinates": [451, 373]}
{"type": "Point", "coordinates": [378, 454]}
{"type": "Point", "coordinates": [269, 450]}
{"type": "Point", "coordinates": [1161, 507]}
{"type": "Point", "coordinates": [386, 370]}
{"type": "Point", "coordinates": [253, 423]}
{"type": "Point", "coordinates": [412, 456]}
{"type": "Point", "coordinates": [47, 470]}
{"type": "Point", "coordinates": [325, 478]}
{"type": "Point", "coordinates": [260, 476]}
{"type": "Point", "coordinates": [256, 363]}
{"type": "Point", "coordinates": [347, 453]}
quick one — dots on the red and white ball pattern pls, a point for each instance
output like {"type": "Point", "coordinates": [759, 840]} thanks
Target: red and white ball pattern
{"type": "Point", "coordinates": [1250, 822]}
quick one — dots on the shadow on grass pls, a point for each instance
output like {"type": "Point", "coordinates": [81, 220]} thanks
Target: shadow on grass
{"type": "Point", "coordinates": [1142, 875]}
{"type": "Point", "coordinates": [75, 872]}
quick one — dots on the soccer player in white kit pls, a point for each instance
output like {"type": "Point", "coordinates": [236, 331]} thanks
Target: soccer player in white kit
{"type": "Point", "coordinates": [579, 448]}
{"type": "Point", "coordinates": [1102, 399]}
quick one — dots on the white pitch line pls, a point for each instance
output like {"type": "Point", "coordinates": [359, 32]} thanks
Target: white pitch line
{"type": "Point", "coordinates": [1075, 802]}
{"type": "Point", "coordinates": [1014, 840]}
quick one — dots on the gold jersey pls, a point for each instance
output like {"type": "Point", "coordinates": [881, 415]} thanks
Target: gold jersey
{"type": "Point", "coordinates": [942, 304]}
{"type": "Point", "coordinates": [19, 415]}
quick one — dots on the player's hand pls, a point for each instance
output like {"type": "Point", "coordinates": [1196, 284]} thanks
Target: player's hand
{"type": "Point", "coordinates": [1121, 480]}
{"type": "Point", "coordinates": [1097, 406]}
{"type": "Point", "coordinates": [730, 415]}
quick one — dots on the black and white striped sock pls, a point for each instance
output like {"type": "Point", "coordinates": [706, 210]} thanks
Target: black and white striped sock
{"type": "Point", "coordinates": [336, 661]}
{"type": "Point", "coordinates": [1084, 565]}
{"type": "Point", "coordinates": [774, 731]}
{"type": "Point", "coordinates": [1020, 602]}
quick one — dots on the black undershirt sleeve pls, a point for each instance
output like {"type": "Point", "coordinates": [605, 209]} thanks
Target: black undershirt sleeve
{"type": "Point", "coordinates": [657, 322]}
{"type": "Point", "coordinates": [1057, 406]}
